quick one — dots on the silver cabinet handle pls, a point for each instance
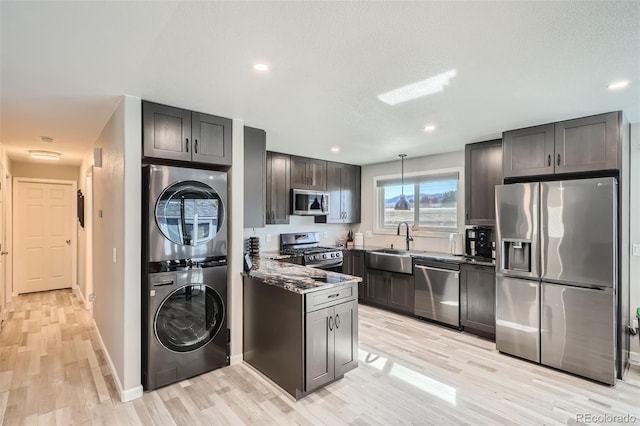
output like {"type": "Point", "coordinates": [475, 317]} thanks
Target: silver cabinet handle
{"type": "Point", "coordinates": [330, 323]}
{"type": "Point", "coordinates": [68, 242]}
{"type": "Point", "coordinates": [337, 321]}
{"type": "Point", "coordinates": [187, 144]}
{"type": "Point", "coordinates": [558, 159]}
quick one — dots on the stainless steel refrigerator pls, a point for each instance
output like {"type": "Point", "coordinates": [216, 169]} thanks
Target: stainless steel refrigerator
{"type": "Point", "coordinates": [557, 274]}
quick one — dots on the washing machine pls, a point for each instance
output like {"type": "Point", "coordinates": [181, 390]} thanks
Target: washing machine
{"type": "Point", "coordinates": [185, 213]}
{"type": "Point", "coordinates": [186, 325]}
{"type": "Point", "coordinates": [184, 273]}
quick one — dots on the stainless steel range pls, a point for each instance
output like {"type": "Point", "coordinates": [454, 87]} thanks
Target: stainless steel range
{"type": "Point", "coordinates": [306, 247]}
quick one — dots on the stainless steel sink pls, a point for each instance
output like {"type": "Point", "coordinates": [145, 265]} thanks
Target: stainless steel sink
{"type": "Point", "coordinates": [391, 260]}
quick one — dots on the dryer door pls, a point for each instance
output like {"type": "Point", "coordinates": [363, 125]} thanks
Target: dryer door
{"type": "Point", "coordinates": [189, 213]}
{"type": "Point", "coordinates": [189, 318]}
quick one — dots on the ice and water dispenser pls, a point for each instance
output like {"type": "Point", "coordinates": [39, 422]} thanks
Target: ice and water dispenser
{"type": "Point", "coordinates": [516, 255]}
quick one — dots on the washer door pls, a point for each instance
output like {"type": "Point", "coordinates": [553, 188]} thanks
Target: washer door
{"type": "Point", "coordinates": [189, 318]}
{"type": "Point", "coordinates": [189, 213]}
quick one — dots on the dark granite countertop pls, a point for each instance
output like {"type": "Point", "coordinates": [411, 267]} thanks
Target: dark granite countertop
{"type": "Point", "coordinates": [296, 278]}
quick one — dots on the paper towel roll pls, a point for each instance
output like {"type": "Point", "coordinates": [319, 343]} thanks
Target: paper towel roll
{"type": "Point", "coordinates": [358, 240]}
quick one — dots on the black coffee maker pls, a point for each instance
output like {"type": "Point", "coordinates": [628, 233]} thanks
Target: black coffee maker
{"type": "Point", "coordinates": [478, 242]}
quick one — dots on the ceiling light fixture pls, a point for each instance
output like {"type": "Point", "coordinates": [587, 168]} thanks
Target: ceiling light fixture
{"type": "Point", "coordinates": [418, 89]}
{"type": "Point", "coordinates": [335, 149]}
{"type": "Point", "coordinates": [45, 155]}
{"type": "Point", "coordinates": [429, 127]}
{"type": "Point", "coordinates": [618, 85]}
{"type": "Point", "coordinates": [261, 67]}
{"type": "Point", "coordinates": [47, 139]}
{"type": "Point", "coordinates": [402, 203]}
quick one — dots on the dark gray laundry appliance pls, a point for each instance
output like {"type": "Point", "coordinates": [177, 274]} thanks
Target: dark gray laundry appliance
{"type": "Point", "coordinates": [186, 213]}
{"type": "Point", "coordinates": [184, 273]}
{"type": "Point", "coordinates": [186, 324]}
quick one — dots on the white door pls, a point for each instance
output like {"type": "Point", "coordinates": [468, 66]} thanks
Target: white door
{"type": "Point", "coordinates": [44, 219]}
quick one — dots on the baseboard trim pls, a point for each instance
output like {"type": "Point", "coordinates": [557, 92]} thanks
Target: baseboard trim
{"type": "Point", "coordinates": [634, 358]}
{"type": "Point", "coordinates": [125, 394]}
{"type": "Point", "coordinates": [236, 359]}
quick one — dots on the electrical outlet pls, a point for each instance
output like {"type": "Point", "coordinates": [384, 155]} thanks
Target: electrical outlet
{"type": "Point", "coordinates": [326, 235]}
{"type": "Point", "coordinates": [636, 249]}
{"type": "Point", "coordinates": [368, 234]}
{"type": "Point", "coordinates": [115, 255]}
{"type": "Point", "coordinates": [267, 238]}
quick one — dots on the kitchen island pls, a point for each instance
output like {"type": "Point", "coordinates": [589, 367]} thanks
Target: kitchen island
{"type": "Point", "coordinates": [300, 324]}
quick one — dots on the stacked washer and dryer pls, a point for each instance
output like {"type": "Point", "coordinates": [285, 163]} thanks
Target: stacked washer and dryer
{"type": "Point", "coordinates": [184, 297]}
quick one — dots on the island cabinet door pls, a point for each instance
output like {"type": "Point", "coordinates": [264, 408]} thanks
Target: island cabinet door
{"type": "Point", "coordinates": [345, 330]}
{"type": "Point", "coordinates": [320, 363]}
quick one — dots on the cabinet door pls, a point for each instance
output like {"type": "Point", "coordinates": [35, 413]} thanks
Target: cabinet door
{"type": "Point", "coordinates": [528, 152]}
{"type": "Point", "coordinates": [350, 196]}
{"type": "Point", "coordinates": [483, 171]}
{"type": "Point", "coordinates": [166, 132]}
{"type": "Point", "coordinates": [278, 187]}
{"type": "Point", "coordinates": [255, 189]}
{"type": "Point", "coordinates": [211, 139]}
{"type": "Point", "coordinates": [377, 287]}
{"type": "Point", "coordinates": [299, 172]}
{"type": "Point", "coordinates": [478, 299]}
{"type": "Point", "coordinates": [308, 173]}
{"type": "Point", "coordinates": [356, 267]}
{"type": "Point", "coordinates": [401, 292]}
{"type": "Point", "coordinates": [345, 321]}
{"type": "Point", "coordinates": [334, 188]}
{"type": "Point", "coordinates": [317, 173]}
{"type": "Point", "coordinates": [589, 143]}
{"type": "Point", "coordinates": [319, 348]}
{"type": "Point", "coordinates": [347, 262]}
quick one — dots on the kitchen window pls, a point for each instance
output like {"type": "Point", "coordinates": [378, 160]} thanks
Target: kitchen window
{"type": "Point", "coordinates": [433, 202]}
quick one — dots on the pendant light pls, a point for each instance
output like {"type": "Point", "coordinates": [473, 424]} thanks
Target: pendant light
{"type": "Point", "coordinates": [402, 203]}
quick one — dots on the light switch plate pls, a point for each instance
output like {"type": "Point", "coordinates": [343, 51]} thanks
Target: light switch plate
{"type": "Point", "coordinates": [636, 250]}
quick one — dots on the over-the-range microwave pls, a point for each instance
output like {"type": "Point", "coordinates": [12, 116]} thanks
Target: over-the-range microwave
{"type": "Point", "coordinates": [309, 203]}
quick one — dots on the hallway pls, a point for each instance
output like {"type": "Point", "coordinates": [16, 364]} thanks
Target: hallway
{"type": "Point", "coordinates": [50, 369]}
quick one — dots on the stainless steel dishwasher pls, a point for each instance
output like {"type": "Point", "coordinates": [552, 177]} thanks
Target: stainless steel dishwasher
{"type": "Point", "coordinates": [437, 290]}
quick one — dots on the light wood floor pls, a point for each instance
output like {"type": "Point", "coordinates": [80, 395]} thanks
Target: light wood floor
{"type": "Point", "coordinates": [411, 372]}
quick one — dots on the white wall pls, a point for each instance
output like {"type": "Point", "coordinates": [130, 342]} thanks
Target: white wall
{"type": "Point", "coordinates": [270, 234]}
{"type": "Point", "coordinates": [634, 263]}
{"type": "Point", "coordinates": [437, 243]}
{"type": "Point", "coordinates": [117, 230]}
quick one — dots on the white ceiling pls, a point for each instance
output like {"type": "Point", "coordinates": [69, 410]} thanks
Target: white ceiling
{"type": "Point", "coordinates": [64, 64]}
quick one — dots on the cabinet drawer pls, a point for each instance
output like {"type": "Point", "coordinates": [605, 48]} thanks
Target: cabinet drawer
{"type": "Point", "coordinates": [329, 297]}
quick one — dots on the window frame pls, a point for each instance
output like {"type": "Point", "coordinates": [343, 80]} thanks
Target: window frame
{"type": "Point", "coordinates": [378, 205]}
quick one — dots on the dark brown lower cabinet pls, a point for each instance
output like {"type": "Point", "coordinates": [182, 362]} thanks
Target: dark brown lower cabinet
{"type": "Point", "coordinates": [331, 343]}
{"type": "Point", "coordinates": [353, 264]}
{"type": "Point", "coordinates": [390, 289]}
{"type": "Point", "coordinates": [478, 299]}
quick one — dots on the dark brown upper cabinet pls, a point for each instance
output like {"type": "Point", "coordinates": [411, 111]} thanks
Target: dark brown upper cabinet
{"type": "Point", "coordinates": [580, 145]}
{"type": "Point", "coordinates": [343, 186]}
{"type": "Point", "coordinates": [255, 177]}
{"type": "Point", "coordinates": [176, 134]}
{"type": "Point", "coordinates": [528, 152]}
{"type": "Point", "coordinates": [483, 171]}
{"type": "Point", "coordinates": [278, 188]}
{"type": "Point", "coordinates": [587, 144]}
{"type": "Point", "coordinates": [308, 173]}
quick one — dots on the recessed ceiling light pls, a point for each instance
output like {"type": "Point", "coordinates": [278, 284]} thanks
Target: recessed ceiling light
{"type": "Point", "coordinates": [429, 127]}
{"type": "Point", "coordinates": [45, 155]}
{"type": "Point", "coordinates": [618, 85]}
{"type": "Point", "coordinates": [335, 149]}
{"type": "Point", "coordinates": [47, 139]}
{"type": "Point", "coordinates": [418, 89]}
{"type": "Point", "coordinates": [261, 67]}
